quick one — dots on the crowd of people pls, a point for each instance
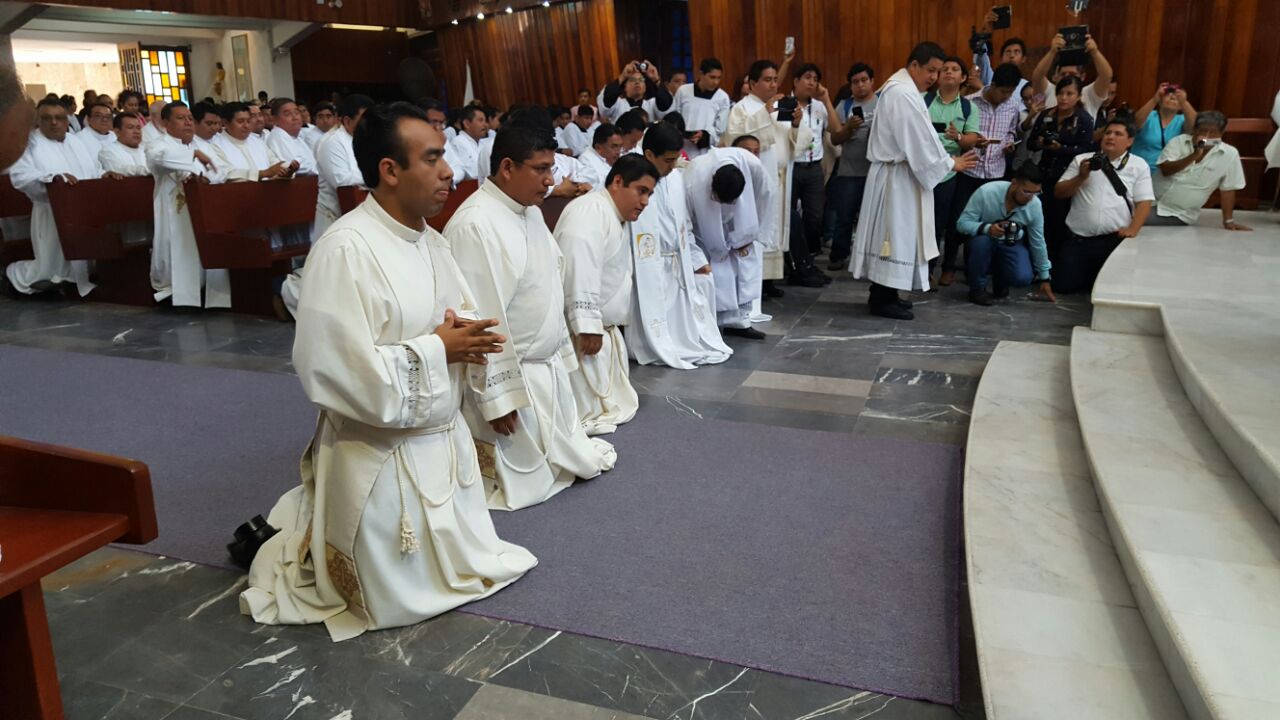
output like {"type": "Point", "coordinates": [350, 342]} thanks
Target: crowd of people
{"type": "Point", "coordinates": [478, 368]}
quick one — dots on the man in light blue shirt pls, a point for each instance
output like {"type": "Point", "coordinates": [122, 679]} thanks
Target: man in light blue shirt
{"type": "Point", "coordinates": [1006, 227]}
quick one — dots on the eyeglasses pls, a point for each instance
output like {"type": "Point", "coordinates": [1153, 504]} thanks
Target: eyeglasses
{"type": "Point", "coordinates": [1029, 193]}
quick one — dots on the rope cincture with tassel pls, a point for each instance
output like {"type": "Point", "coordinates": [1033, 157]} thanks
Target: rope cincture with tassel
{"type": "Point", "coordinates": [409, 543]}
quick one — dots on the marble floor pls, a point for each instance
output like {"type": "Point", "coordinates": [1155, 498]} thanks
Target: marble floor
{"type": "Point", "coordinates": [139, 636]}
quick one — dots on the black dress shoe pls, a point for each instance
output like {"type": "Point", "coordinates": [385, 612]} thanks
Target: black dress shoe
{"type": "Point", "coordinates": [747, 332]}
{"type": "Point", "coordinates": [980, 297]}
{"type": "Point", "coordinates": [1000, 293]}
{"type": "Point", "coordinates": [805, 279]}
{"type": "Point", "coordinates": [907, 304]}
{"type": "Point", "coordinates": [825, 278]}
{"type": "Point", "coordinates": [771, 290]}
{"type": "Point", "coordinates": [893, 311]}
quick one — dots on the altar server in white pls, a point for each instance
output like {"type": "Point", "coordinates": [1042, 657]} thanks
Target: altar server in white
{"type": "Point", "coordinates": [673, 315]}
{"type": "Point", "coordinates": [126, 159]}
{"type": "Point", "coordinates": [780, 145]}
{"type": "Point", "coordinates": [52, 152]}
{"type": "Point", "coordinates": [523, 410]}
{"type": "Point", "coordinates": [730, 194]}
{"type": "Point", "coordinates": [176, 271]}
{"type": "Point", "coordinates": [704, 107]}
{"type": "Point", "coordinates": [389, 527]}
{"type": "Point", "coordinates": [576, 136]}
{"type": "Point", "coordinates": [594, 234]}
{"type": "Point", "coordinates": [895, 239]}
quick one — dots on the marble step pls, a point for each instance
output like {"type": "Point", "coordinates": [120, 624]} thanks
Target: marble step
{"type": "Point", "coordinates": [1058, 631]}
{"type": "Point", "coordinates": [1200, 550]}
{"type": "Point", "coordinates": [1211, 294]}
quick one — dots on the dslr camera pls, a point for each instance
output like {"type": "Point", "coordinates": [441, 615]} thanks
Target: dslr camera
{"type": "Point", "coordinates": [1095, 163]}
{"type": "Point", "coordinates": [979, 42]}
{"type": "Point", "coordinates": [1010, 237]}
{"type": "Point", "coordinates": [642, 66]}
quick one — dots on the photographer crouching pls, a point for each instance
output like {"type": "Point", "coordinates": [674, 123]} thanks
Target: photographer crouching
{"type": "Point", "coordinates": [1112, 197]}
{"type": "Point", "coordinates": [1005, 225]}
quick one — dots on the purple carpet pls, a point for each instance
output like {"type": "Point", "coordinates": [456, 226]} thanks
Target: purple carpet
{"type": "Point", "coordinates": [825, 556]}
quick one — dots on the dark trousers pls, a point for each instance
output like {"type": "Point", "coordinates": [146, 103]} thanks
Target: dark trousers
{"type": "Point", "coordinates": [1009, 265]}
{"type": "Point", "coordinates": [1055, 221]}
{"type": "Point", "coordinates": [1080, 259]}
{"type": "Point", "coordinates": [798, 258]}
{"type": "Point", "coordinates": [943, 192]}
{"type": "Point", "coordinates": [880, 295]}
{"type": "Point", "coordinates": [844, 200]}
{"type": "Point", "coordinates": [809, 191]}
{"type": "Point", "coordinates": [966, 186]}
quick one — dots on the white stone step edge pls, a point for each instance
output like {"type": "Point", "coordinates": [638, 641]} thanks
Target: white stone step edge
{"type": "Point", "coordinates": [1198, 684]}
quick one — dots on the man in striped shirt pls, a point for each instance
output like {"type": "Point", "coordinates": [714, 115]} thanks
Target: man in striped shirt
{"type": "Point", "coordinates": [997, 122]}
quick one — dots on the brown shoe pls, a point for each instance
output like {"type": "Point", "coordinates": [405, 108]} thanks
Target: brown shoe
{"type": "Point", "coordinates": [947, 277]}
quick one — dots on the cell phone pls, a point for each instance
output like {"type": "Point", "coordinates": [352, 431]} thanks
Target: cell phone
{"type": "Point", "coordinates": [858, 111]}
{"type": "Point", "coordinates": [940, 127]}
{"type": "Point", "coordinates": [1004, 17]}
{"type": "Point", "coordinates": [790, 45]}
{"type": "Point", "coordinates": [787, 109]}
{"type": "Point", "coordinates": [1073, 50]}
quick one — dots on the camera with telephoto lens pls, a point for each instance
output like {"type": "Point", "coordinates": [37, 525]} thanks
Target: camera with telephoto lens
{"type": "Point", "coordinates": [1010, 237]}
{"type": "Point", "coordinates": [1095, 163]}
{"type": "Point", "coordinates": [1049, 131]}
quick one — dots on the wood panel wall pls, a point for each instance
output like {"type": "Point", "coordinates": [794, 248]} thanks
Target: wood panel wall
{"type": "Point", "coordinates": [1225, 52]}
{"type": "Point", "coordinates": [366, 57]}
{"type": "Point", "coordinates": [392, 13]}
{"type": "Point", "coordinates": [539, 56]}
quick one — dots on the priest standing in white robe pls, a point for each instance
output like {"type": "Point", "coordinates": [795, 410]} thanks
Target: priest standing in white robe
{"type": "Point", "coordinates": [522, 411]}
{"type": "Point", "coordinates": [242, 155]}
{"type": "Point", "coordinates": [730, 193]}
{"type": "Point", "coordinates": [594, 235]}
{"type": "Point", "coordinates": [780, 145]}
{"type": "Point", "coordinates": [126, 159]}
{"type": "Point", "coordinates": [98, 125]}
{"type": "Point", "coordinates": [176, 272]}
{"type": "Point", "coordinates": [52, 152]}
{"type": "Point", "coordinates": [895, 239]}
{"type": "Point", "coordinates": [390, 525]}
{"type": "Point", "coordinates": [704, 107]}
{"type": "Point", "coordinates": [673, 316]}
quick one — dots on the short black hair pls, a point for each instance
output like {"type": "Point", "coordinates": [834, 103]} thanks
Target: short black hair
{"type": "Point", "coordinates": [378, 136]}
{"type": "Point", "coordinates": [859, 68]}
{"type": "Point", "coordinates": [964, 69]}
{"type": "Point", "coordinates": [430, 103]}
{"type": "Point", "coordinates": [230, 109]}
{"type": "Point", "coordinates": [1067, 82]}
{"type": "Point", "coordinates": [1128, 126]}
{"type": "Point", "coordinates": [88, 109]}
{"type": "Point", "coordinates": [674, 72]}
{"type": "Point", "coordinates": [709, 64]}
{"type": "Point", "coordinates": [632, 121]}
{"type": "Point", "coordinates": [557, 110]}
{"type": "Point", "coordinates": [603, 133]}
{"type": "Point", "coordinates": [662, 138]}
{"type": "Point", "coordinates": [727, 184]}
{"type": "Point", "coordinates": [631, 168]}
{"type": "Point", "coordinates": [168, 109]}
{"type": "Point", "coordinates": [491, 112]}
{"type": "Point", "coordinates": [758, 67]}
{"type": "Point", "coordinates": [278, 104]}
{"type": "Point", "coordinates": [50, 102]}
{"type": "Point", "coordinates": [351, 105]}
{"type": "Point", "coordinates": [1030, 172]}
{"type": "Point", "coordinates": [117, 122]}
{"type": "Point", "coordinates": [518, 144]}
{"type": "Point", "coordinates": [262, 94]}
{"type": "Point", "coordinates": [199, 110]}
{"type": "Point", "coordinates": [1006, 75]}
{"type": "Point", "coordinates": [807, 67]}
{"type": "Point", "coordinates": [532, 117]}
{"type": "Point", "coordinates": [585, 111]}
{"type": "Point", "coordinates": [924, 52]}
{"type": "Point", "coordinates": [124, 96]}
{"type": "Point", "coordinates": [584, 90]}
{"type": "Point", "coordinates": [675, 119]}
{"type": "Point", "coordinates": [1011, 42]}
{"type": "Point", "coordinates": [469, 113]}
{"type": "Point", "coordinates": [738, 141]}
{"type": "Point", "coordinates": [322, 106]}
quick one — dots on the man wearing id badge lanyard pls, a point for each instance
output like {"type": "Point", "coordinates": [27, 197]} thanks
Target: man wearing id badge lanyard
{"type": "Point", "coordinates": [808, 183]}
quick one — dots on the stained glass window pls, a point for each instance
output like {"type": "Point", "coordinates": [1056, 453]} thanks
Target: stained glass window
{"type": "Point", "coordinates": [164, 74]}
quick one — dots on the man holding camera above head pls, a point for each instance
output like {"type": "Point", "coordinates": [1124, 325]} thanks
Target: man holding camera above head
{"type": "Point", "coordinates": [1112, 196]}
{"type": "Point", "coordinates": [1005, 227]}
{"type": "Point", "coordinates": [637, 86]}
{"type": "Point", "coordinates": [1192, 167]}
{"type": "Point", "coordinates": [1093, 95]}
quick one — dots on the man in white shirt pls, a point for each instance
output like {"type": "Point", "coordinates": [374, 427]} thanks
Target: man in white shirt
{"type": "Point", "coordinates": [576, 137]}
{"type": "Point", "coordinates": [1191, 168]}
{"type": "Point", "coordinates": [208, 123]}
{"type": "Point", "coordinates": [53, 152]}
{"type": "Point", "coordinates": [464, 150]}
{"type": "Point", "coordinates": [1112, 195]}
{"type": "Point", "coordinates": [632, 126]}
{"type": "Point", "coordinates": [176, 271]}
{"type": "Point", "coordinates": [285, 138]}
{"type": "Point", "coordinates": [521, 408]}
{"type": "Point", "coordinates": [595, 240]}
{"type": "Point", "coordinates": [704, 107]}
{"type": "Point", "coordinates": [1094, 94]}
{"type": "Point", "coordinates": [258, 120]}
{"type": "Point", "coordinates": [242, 155]}
{"type": "Point", "coordinates": [635, 88]}
{"type": "Point", "coordinates": [325, 117]}
{"type": "Point", "coordinates": [98, 125]}
{"type": "Point", "coordinates": [127, 159]}
{"type": "Point", "coordinates": [808, 180]}
{"type": "Point", "coordinates": [596, 161]}
{"type": "Point", "coordinates": [155, 127]}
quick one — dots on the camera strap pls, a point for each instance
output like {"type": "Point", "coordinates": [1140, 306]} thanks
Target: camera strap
{"type": "Point", "coordinates": [1114, 177]}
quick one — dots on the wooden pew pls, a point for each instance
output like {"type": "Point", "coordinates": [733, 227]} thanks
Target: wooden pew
{"type": "Point", "coordinates": [456, 198]}
{"type": "Point", "coordinates": [1250, 137]}
{"type": "Point", "coordinates": [551, 210]}
{"type": "Point", "coordinates": [13, 204]}
{"type": "Point", "coordinates": [350, 197]}
{"type": "Point", "coordinates": [229, 223]}
{"type": "Point", "coordinates": [88, 215]}
{"type": "Point", "coordinates": [56, 505]}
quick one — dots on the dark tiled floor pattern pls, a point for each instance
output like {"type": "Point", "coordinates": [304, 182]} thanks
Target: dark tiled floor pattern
{"type": "Point", "coordinates": [144, 637]}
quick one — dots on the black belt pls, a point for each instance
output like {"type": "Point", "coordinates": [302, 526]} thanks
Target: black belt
{"type": "Point", "coordinates": [808, 162]}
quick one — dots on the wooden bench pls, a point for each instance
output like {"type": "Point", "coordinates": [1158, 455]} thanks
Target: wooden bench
{"type": "Point", "coordinates": [88, 215]}
{"type": "Point", "coordinates": [230, 222]}
{"type": "Point", "coordinates": [552, 209]}
{"type": "Point", "coordinates": [14, 204]}
{"type": "Point", "coordinates": [1250, 137]}
{"type": "Point", "coordinates": [350, 197]}
{"type": "Point", "coordinates": [56, 505]}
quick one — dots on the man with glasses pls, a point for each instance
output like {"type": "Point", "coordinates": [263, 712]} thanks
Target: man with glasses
{"type": "Point", "coordinates": [98, 126]}
{"type": "Point", "coordinates": [521, 409]}
{"type": "Point", "coordinates": [637, 86]}
{"type": "Point", "coordinates": [1004, 225]}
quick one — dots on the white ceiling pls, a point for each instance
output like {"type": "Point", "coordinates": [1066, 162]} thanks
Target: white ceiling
{"type": "Point", "coordinates": [30, 50]}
